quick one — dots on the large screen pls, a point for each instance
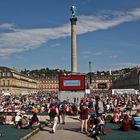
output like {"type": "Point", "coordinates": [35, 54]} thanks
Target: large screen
{"type": "Point", "coordinates": [72, 82]}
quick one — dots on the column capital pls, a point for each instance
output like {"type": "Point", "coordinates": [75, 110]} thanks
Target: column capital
{"type": "Point", "coordinates": [73, 20]}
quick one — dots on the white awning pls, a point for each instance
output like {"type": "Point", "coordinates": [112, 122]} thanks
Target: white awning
{"type": "Point", "coordinates": [6, 94]}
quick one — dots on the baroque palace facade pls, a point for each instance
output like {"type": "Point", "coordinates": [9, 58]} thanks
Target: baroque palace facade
{"type": "Point", "coordinates": [12, 81]}
{"type": "Point", "coordinates": [49, 84]}
{"type": "Point", "coordinates": [100, 82]}
{"type": "Point", "coordinates": [128, 80]}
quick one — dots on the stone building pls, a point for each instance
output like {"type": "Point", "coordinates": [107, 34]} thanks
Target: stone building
{"type": "Point", "coordinates": [13, 82]}
{"type": "Point", "coordinates": [49, 84]}
{"type": "Point", "coordinates": [130, 80]}
{"type": "Point", "coordinates": [100, 82]}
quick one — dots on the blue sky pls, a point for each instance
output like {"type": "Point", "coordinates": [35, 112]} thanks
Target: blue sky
{"type": "Point", "coordinates": [35, 34]}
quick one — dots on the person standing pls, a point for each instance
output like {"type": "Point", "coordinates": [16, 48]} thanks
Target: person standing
{"type": "Point", "coordinates": [99, 106]}
{"type": "Point", "coordinates": [63, 110]}
{"type": "Point", "coordinates": [53, 114]}
{"type": "Point", "coordinates": [83, 116]}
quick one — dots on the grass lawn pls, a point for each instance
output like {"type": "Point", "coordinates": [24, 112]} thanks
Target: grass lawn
{"type": "Point", "coordinates": [8, 132]}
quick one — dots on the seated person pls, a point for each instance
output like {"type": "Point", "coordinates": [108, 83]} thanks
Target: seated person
{"type": "Point", "coordinates": [116, 116]}
{"type": "Point", "coordinates": [91, 124]}
{"type": "Point", "coordinates": [17, 119]}
{"type": "Point", "coordinates": [2, 119]}
{"type": "Point", "coordinates": [136, 119]}
{"type": "Point", "coordinates": [137, 114]}
{"type": "Point", "coordinates": [126, 123]}
{"type": "Point", "coordinates": [24, 122]}
{"type": "Point", "coordinates": [34, 121]}
{"type": "Point", "coordinates": [8, 118]}
{"type": "Point", "coordinates": [101, 124]}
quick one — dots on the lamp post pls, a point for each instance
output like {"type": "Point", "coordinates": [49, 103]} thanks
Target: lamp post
{"type": "Point", "coordinates": [90, 78]}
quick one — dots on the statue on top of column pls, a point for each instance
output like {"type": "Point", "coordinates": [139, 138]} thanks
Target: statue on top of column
{"type": "Point", "coordinates": [73, 10]}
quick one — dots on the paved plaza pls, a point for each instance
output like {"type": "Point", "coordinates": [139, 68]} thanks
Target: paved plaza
{"type": "Point", "coordinates": [71, 131]}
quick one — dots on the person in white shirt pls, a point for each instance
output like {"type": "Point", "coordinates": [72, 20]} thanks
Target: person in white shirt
{"type": "Point", "coordinates": [17, 119]}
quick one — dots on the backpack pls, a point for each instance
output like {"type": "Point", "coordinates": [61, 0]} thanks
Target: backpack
{"type": "Point", "coordinates": [64, 109]}
{"type": "Point", "coordinates": [53, 113]}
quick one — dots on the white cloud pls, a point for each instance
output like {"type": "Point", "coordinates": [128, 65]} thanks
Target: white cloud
{"type": "Point", "coordinates": [86, 52]}
{"type": "Point", "coordinates": [7, 26]}
{"type": "Point", "coordinates": [26, 39]}
{"type": "Point", "coordinates": [18, 40]}
{"type": "Point", "coordinates": [86, 56]}
{"type": "Point", "coordinates": [113, 56]}
{"type": "Point", "coordinates": [55, 45]}
{"type": "Point", "coordinates": [98, 54]}
{"type": "Point", "coordinates": [106, 21]}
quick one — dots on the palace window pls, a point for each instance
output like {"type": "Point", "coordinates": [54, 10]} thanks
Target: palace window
{"type": "Point", "coordinates": [8, 82]}
{"type": "Point", "coordinates": [3, 82]}
{"type": "Point", "coordinates": [8, 74]}
{"type": "Point", "coordinates": [3, 74]}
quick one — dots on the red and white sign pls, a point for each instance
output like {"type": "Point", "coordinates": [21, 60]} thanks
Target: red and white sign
{"type": "Point", "coordinates": [72, 82]}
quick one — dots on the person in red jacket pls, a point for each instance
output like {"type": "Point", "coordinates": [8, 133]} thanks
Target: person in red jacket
{"type": "Point", "coordinates": [83, 116]}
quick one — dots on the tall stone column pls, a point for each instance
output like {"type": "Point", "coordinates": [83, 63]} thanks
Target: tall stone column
{"type": "Point", "coordinates": [73, 20]}
{"type": "Point", "coordinates": [73, 46]}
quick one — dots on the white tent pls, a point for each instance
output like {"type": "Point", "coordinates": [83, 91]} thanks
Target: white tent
{"type": "Point", "coordinates": [6, 94]}
{"type": "Point", "coordinates": [124, 91]}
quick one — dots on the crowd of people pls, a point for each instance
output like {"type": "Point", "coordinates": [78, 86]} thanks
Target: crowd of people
{"type": "Point", "coordinates": [92, 110]}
